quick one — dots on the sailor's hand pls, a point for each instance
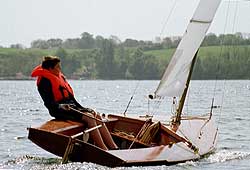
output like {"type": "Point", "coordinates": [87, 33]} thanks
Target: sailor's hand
{"type": "Point", "coordinates": [90, 111]}
{"type": "Point", "coordinates": [64, 106]}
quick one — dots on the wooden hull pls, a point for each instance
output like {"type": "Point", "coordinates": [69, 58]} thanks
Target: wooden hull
{"type": "Point", "coordinates": [57, 138]}
{"type": "Point", "coordinates": [167, 147]}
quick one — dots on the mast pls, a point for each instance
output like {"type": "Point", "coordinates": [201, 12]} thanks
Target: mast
{"type": "Point", "coordinates": [177, 118]}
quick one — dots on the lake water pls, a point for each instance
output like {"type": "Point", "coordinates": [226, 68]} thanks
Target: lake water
{"type": "Point", "coordinates": [22, 107]}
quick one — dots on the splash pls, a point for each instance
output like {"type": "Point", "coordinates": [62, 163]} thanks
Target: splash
{"type": "Point", "coordinates": [27, 161]}
{"type": "Point", "coordinates": [226, 155]}
{"type": "Point", "coordinates": [40, 163]}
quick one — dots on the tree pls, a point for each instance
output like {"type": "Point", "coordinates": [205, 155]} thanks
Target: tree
{"type": "Point", "coordinates": [99, 41]}
{"type": "Point", "coordinates": [106, 64]}
{"type": "Point", "coordinates": [122, 59]}
{"type": "Point", "coordinates": [130, 43]}
{"type": "Point", "coordinates": [136, 67]}
{"type": "Point", "coordinates": [144, 66]}
{"type": "Point", "coordinates": [54, 43]}
{"type": "Point", "coordinates": [115, 40]}
{"type": "Point", "coordinates": [87, 41]}
{"type": "Point", "coordinates": [68, 61]}
{"type": "Point", "coordinates": [42, 44]}
{"type": "Point", "coordinates": [167, 42]}
{"type": "Point", "coordinates": [62, 53]}
{"type": "Point", "coordinates": [71, 43]}
{"type": "Point", "coordinates": [17, 46]}
{"type": "Point", "coordinates": [211, 40]}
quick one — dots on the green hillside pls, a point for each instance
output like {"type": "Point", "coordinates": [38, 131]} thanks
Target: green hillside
{"type": "Point", "coordinates": [117, 62]}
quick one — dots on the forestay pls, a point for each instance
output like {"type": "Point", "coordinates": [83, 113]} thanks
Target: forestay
{"type": "Point", "coordinates": [174, 79]}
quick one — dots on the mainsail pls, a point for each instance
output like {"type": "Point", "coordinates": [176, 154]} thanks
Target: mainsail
{"type": "Point", "coordinates": [174, 79]}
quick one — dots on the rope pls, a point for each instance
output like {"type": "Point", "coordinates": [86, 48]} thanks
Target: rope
{"type": "Point", "coordinates": [148, 135]}
{"type": "Point", "coordinates": [144, 127]}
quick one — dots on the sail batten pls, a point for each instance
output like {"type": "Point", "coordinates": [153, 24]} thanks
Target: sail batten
{"type": "Point", "coordinates": [174, 79]}
{"type": "Point", "coordinates": [200, 21]}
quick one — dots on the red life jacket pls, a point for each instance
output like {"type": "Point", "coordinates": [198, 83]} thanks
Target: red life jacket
{"type": "Point", "coordinates": [60, 87]}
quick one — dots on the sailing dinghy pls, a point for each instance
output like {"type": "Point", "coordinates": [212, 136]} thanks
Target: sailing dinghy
{"type": "Point", "coordinates": [143, 141]}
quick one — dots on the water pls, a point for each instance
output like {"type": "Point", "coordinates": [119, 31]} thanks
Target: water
{"type": "Point", "coordinates": [22, 107]}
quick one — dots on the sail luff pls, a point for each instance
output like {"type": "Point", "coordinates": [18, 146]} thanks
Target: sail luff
{"type": "Point", "coordinates": [174, 79]}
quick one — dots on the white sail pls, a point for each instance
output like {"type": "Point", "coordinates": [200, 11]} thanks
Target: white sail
{"type": "Point", "coordinates": [174, 79]}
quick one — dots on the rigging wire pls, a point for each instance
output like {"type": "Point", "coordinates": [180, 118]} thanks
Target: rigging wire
{"type": "Point", "coordinates": [159, 102]}
{"type": "Point", "coordinates": [235, 15]}
{"type": "Point", "coordinates": [234, 23]}
{"type": "Point", "coordinates": [168, 17]}
{"type": "Point", "coordinates": [131, 98]}
{"type": "Point", "coordinates": [234, 51]}
{"type": "Point", "coordinates": [233, 46]}
{"type": "Point", "coordinates": [218, 66]}
{"type": "Point", "coordinates": [222, 101]}
{"type": "Point", "coordinates": [156, 106]}
{"type": "Point", "coordinates": [223, 38]}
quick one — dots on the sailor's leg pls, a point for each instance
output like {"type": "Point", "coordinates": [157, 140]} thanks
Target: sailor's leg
{"type": "Point", "coordinates": [95, 134]}
{"type": "Point", "coordinates": [107, 138]}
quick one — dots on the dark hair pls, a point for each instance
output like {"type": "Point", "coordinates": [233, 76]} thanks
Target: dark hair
{"type": "Point", "coordinates": [50, 62]}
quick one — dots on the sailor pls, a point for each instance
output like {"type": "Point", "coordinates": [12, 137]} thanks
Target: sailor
{"type": "Point", "coordinates": [58, 97]}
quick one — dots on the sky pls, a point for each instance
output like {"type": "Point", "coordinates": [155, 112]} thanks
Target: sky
{"type": "Point", "coordinates": [23, 21]}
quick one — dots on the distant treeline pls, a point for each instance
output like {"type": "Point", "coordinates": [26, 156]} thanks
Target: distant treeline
{"type": "Point", "coordinates": [221, 57]}
{"type": "Point", "coordinates": [88, 41]}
